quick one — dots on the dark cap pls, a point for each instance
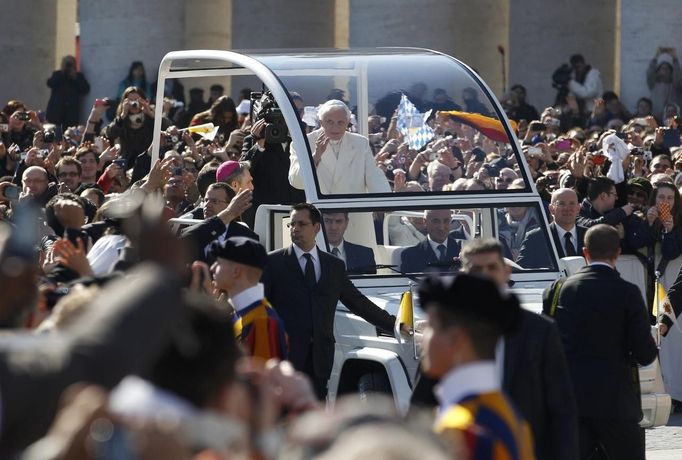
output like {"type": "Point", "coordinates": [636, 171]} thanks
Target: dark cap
{"type": "Point", "coordinates": [241, 250]}
{"type": "Point", "coordinates": [473, 297]}
{"type": "Point", "coordinates": [641, 183]}
{"type": "Point", "coordinates": [478, 154]}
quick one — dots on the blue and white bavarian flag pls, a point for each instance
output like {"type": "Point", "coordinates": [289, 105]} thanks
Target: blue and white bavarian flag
{"type": "Point", "coordinates": [412, 124]}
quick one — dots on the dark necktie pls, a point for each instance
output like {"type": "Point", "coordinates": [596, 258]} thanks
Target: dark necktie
{"type": "Point", "coordinates": [442, 251]}
{"type": "Point", "coordinates": [335, 252]}
{"type": "Point", "coordinates": [570, 249]}
{"type": "Point", "coordinates": [309, 271]}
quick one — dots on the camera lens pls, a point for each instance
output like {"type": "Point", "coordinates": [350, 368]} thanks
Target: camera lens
{"type": "Point", "coordinates": [174, 139]}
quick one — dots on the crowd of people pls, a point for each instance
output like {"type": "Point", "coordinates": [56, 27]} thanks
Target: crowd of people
{"type": "Point", "coordinates": [202, 342]}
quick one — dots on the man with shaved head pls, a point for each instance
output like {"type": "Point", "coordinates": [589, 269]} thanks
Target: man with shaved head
{"type": "Point", "coordinates": [438, 249]}
{"type": "Point", "coordinates": [568, 237]}
{"type": "Point", "coordinates": [36, 184]}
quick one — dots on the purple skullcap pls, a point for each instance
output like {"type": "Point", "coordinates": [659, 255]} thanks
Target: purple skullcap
{"type": "Point", "coordinates": [225, 170]}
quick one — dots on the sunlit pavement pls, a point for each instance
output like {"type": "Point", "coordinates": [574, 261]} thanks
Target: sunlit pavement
{"type": "Point", "coordinates": [665, 442]}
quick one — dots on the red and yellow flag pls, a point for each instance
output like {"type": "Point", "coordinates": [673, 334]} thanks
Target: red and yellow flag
{"type": "Point", "coordinates": [490, 127]}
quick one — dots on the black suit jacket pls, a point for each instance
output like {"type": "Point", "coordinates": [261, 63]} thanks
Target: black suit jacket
{"type": "Point", "coordinates": [204, 233]}
{"type": "Point", "coordinates": [420, 256]}
{"type": "Point", "coordinates": [123, 332]}
{"type": "Point", "coordinates": [535, 253]}
{"type": "Point", "coordinates": [537, 380]}
{"type": "Point", "coordinates": [308, 315]}
{"type": "Point", "coordinates": [604, 325]}
{"type": "Point", "coordinates": [359, 259]}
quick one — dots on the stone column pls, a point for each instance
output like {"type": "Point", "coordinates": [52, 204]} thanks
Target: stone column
{"type": "Point", "coordinates": [65, 41]}
{"type": "Point", "coordinates": [116, 32]}
{"type": "Point", "coordinates": [276, 24]}
{"type": "Point", "coordinates": [642, 29]}
{"type": "Point", "coordinates": [542, 36]}
{"type": "Point", "coordinates": [469, 31]}
{"type": "Point", "coordinates": [28, 50]}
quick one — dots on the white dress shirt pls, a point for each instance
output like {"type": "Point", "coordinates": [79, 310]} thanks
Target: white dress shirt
{"type": "Point", "coordinates": [472, 378]}
{"type": "Point", "coordinates": [574, 237]}
{"type": "Point", "coordinates": [302, 260]}
{"type": "Point", "coordinates": [340, 247]}
{"type": "Point", "coordinates": [434, 246]}
{"type": "Point", "coordinates": [247, 297]}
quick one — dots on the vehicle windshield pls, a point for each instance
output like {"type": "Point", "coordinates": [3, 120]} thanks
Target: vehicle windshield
{"type": "Point", "coordinates": [412, 121]}
{"type": "Point", "coordinates": [417, 240]}
{"type": "Point", "coordinates": [420, 122]}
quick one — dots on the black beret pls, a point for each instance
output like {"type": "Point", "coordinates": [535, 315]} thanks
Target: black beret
{"type": "Point", "coordinates": [241, 250]}
{"type": "Point", "coordinates": [473, 297]}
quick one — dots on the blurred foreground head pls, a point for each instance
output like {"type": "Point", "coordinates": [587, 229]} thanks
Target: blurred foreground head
{"type": "Point", "coordinates": [19, 267]}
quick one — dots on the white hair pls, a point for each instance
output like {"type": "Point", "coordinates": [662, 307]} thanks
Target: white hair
{"type": "Point", "coordinates": [332, 104]}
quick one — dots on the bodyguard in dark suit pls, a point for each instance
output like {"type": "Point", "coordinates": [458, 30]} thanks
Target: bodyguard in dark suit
{"type": "Point", "coordinates": [221, 209]}
{"type": "Point", "coordinates": [304, 284]}
{"type": "Point", "coordinates": [438, 249]}
{"type": "Point", "coordinates": [534, 371]}
{"type": "Point", "coordinates": [568, 237]}
{"type": "Point", "coordinates": [604, 327]}
{"type": "Point", "coordinates": [358, 258]}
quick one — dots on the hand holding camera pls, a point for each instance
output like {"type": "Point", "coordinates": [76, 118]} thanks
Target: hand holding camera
{"type": "Point", "coordinates": [36, 157]}
{"type": "Point", "coordinates": [9, 191]}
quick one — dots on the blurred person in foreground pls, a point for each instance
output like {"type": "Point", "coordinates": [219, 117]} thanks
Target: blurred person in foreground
{"type": "Point", "coordinates": [530, 364]}
{"type": "Point", "coordinates": [459, 349]}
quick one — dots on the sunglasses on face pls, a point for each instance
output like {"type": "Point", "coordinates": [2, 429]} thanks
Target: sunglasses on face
{"type": "Point", "coordinates": [636, 193]}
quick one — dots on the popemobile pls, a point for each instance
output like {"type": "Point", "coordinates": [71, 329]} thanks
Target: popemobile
{"type": "Point", "coordinates": [386, 89]}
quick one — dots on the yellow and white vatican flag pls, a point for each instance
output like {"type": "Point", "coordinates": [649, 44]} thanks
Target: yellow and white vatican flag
{"type": "Point", "coordinates": [207, 130]}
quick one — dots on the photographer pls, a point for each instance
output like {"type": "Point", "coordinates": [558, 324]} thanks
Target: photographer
{"type": "Point", "coordinates": [22, 126]}
{"type": "Point", "coordinates": [133, 125]}
{"type": "Point", "coordinates": [269, 158]}
{"type": "Point", "coordinates": [68, 86]}
{"type": "Point", "coordinates": [664, 218]}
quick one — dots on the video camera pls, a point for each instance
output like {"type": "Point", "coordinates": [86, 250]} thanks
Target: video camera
{"type": "Point", "coordinates": [264, 107]}
{"type": "Point", "coordinates": [562, 76]}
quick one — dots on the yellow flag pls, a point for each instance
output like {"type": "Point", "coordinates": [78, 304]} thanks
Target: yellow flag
{"type": "Point", "coordinates": [207, 130]}
{"type": "Point", "coordinates": [406, 315]}
{"type": "Point", "coordinates": [660, 299]}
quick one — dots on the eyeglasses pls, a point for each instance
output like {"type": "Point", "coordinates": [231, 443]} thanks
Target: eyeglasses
{"type": "Point", "coordinates": [506, 180]}
{"type": "Point", "coordinates": [298, 224]}
{"type": "Point", "coordinates": [637, 194]}
{"type": "Point", "coordinates": [63, 175]}
{"type": "Point", "coordinates": [564, 204]}
{"type": "Point", "coordinates": [213, 200]}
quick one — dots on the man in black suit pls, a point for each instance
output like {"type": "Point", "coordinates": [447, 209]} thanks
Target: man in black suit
{"type": "Point", "coordinates": [358, 259]}
{"type": "Point", "coordinates": [222, 208]}
{"type": "Point", "coordinates": [568, 237]}
{"type": "Point", "coordinates": [604, 327]}
{"type": "Point", "coordinates": [438, 249]}
{"type": "Point", "coordinates": [532, 363]}
{"type": "Point", "coordinates": [304, 284]}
